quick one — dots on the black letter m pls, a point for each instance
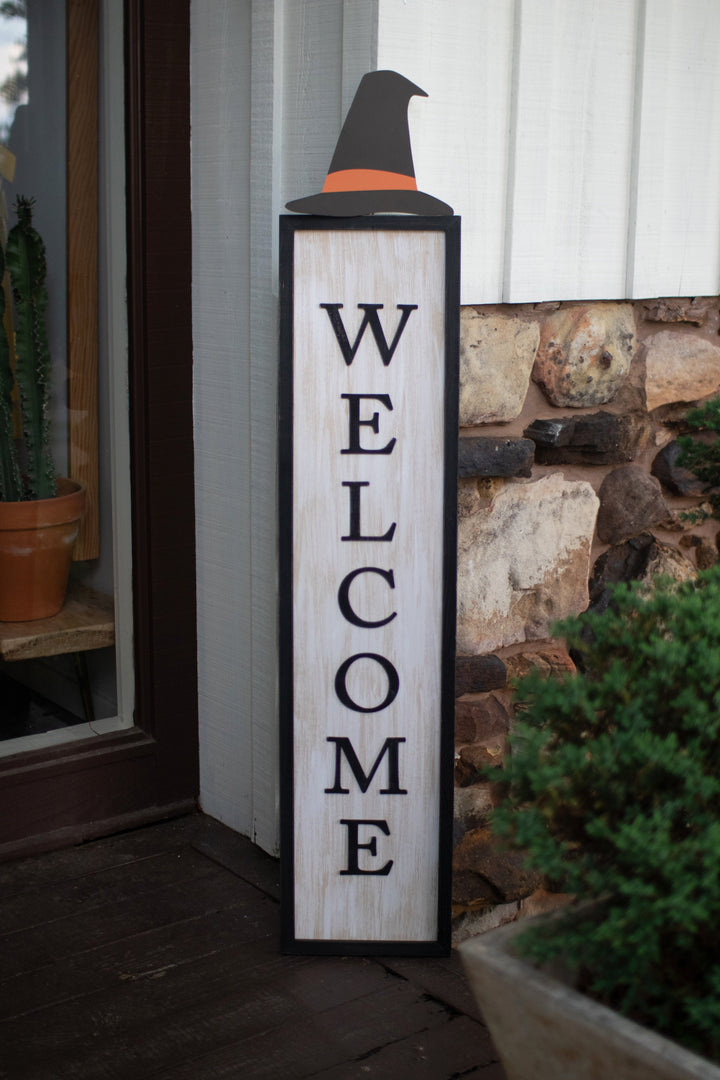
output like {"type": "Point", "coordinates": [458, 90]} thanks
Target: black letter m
{"type": "Point", "coordinates": [389, 747]}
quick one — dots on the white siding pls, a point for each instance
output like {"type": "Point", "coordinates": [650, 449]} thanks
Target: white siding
{"type": "Point", "coordinates": [571, 150]}
{"type": "Point", "coordinates": [461, 55]}
{"type": "Point", "coordinates": [677, 232]}
{"type": "Point", "coordinates": [578, 139]}
{"type": "Point", "coordinates": [221, 131]}
{"type": "Point", "coordinates": [262, 107]}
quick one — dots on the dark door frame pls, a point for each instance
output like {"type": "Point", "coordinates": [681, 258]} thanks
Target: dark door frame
{"type": "Point", "coordinates": [65, 794]}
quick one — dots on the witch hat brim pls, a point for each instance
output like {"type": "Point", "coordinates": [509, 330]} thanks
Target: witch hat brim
{"type": "Point", "coordinates": [375, 201]}
{"type": "Point", "coordinates": [372, 168]}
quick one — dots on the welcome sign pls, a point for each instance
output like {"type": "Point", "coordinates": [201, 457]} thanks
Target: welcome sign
{"type": "Point", "coordinates": [368, 460]}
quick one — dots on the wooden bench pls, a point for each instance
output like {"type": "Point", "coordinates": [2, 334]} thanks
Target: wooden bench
{"type": "Point", "coordinates": [85, 622]}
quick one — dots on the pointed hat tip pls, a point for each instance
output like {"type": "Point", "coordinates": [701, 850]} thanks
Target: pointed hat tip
{"type": "Point", "coordinates": [387, 75]}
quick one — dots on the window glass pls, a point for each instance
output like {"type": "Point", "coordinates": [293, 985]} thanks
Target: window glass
{"type": "Point", "coordinates": [58, 673]}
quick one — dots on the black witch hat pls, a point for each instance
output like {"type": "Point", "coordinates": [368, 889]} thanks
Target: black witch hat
{"type": "Point", "coordinates": [372, 168]}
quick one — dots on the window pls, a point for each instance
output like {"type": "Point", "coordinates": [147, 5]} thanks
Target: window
{"type": "Point", "coordinates": [61, 72]}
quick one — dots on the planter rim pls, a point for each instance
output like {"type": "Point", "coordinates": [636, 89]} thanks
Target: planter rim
{"type": "Point", "coordinates": [494, 951]}
{"type": "Point", "coordinates": [32, 513]}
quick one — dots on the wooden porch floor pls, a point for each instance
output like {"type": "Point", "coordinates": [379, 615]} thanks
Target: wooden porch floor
{"type": "Point", "coordinates": [155, 954]}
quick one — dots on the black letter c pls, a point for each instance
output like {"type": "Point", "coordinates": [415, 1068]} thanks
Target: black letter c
{"type": "Point", "coordinates": [344, 597]}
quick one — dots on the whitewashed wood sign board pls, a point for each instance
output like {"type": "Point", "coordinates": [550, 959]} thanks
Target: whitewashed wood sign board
{"type": "Point", "coordinates": [368, 503]}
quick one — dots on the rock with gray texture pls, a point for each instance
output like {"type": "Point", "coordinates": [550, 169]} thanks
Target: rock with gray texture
{"type": "Point", "coordinates": [665, 560]}
{"type": "Point", "coordinates": [631, 501]}
{"type": "Point", "coordinates": [679, 367]}
{"type": "Point", "coordinates": [678, 310]}
{"type": "Point", "coordinates": [474, 759]}
{"type": "Point", "coordinates": [486, 455]}
{"type": "Point", "coordinates": [496, 358]}
{"type": "Point", "coordinates": [706, 555]}
{"type": "Point", "coordinates": [625, 561]}
{"type": "Point", "coordinates": [601, 438]}
{"type": "Point", "coordinates": [523, 562]}
{"type": "Point", "coordinates": [472, 807]}
{"type": "Point", "coordinates": [640, 558]}
{"type": "Point", "coordinates": [585, 354]}
{"type": "Point", "coordinates": [485, 870]}
{"type": "Point", "coordinates": [481, 717]}
{"type": "Point", "coordinates": [676, 479]}
{"type": "Point", "coordinates": [476, 674]}
{"type": "Point", "coordinates": [550, 659]}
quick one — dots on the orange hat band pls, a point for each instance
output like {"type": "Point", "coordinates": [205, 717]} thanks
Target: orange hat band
{"type": "Point", "coordinates": [368, 180]}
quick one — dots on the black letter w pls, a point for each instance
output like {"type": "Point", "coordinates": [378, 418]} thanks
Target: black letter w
{"type": "Point", "coordinates": [371, 317]}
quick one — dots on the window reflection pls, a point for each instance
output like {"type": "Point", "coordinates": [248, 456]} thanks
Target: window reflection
{"type": "Point", "coordinates": [51, 690]}
{"type": "Point", "coordinates": [13, 63]}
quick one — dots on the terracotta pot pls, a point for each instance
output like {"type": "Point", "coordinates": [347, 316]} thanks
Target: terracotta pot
{"type": "Point", "coordinates": [36, 542]}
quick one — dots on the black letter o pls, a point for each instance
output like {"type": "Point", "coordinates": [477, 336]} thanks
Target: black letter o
{"type": "Point", "coordinates": [393, 682]}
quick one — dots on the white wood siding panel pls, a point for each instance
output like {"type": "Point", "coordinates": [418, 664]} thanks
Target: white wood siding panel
{"type": "Point", "coordinates": [572, 154]}
{"type": "Point", "coordinates": [460, 53]}
{"type": "Point", "coordinates": [312, 92]}
{"type": "Point", "coordinates": [265, 117]}
{"type": "Point", "coordinates": [677, 233]}
{"type": "Point", "coordinates": [220, 62]}
{"type": "Point", "coordinates": [578, 139]}
{"type": "Point", "coordinates": [261, 772]}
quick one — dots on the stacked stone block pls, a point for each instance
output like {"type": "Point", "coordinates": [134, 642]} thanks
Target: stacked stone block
{"type": "Point", "coordinates": [568, 481]}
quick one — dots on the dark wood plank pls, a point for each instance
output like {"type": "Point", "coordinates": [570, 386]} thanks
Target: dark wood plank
{"type": "Point", "coordinates": [168, 1016]}
{"type": "Point", "coordinates": [439, 1054]}
{"type": "Point", "coordinates": [305, 1047]}
{"type": "Point", "coordinates": [115, 886]}
{"type": "Point", "coordinates": [294, 1053]}
{"type": "Point", "coordinates": [366, 1023]}
{"type": "Point", "coordinates": [494, 1071]}
{"type": "Point", "coordinates": [38, 946]}
{"type": "Point", "coordinates": [251, 941]}
{"type": "Point", "coordinates": [237, 854]}
{"type": "Point", "coordinates": [158, 959]}
{"type": "Point", "coordinates": [444, 979]}
{"type": "Point", "coordinates": [51, 868]}
{"type": "Point", "coordinates": [324, 982]}
{"type": "Point", "coordinates": [158, 1020]}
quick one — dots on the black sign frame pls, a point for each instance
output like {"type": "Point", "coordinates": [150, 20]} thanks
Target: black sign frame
{"type": "Point", "coordinates": [290, 226]}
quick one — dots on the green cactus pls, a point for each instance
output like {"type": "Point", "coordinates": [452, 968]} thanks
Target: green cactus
{"type": "Point", "coordinates": [26, 472]}
{"type": "Point", "coordinates": [11, 489]}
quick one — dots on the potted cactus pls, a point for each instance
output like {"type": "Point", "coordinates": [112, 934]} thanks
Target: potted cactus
{"type": "Point", "coordinates": [39, 512]}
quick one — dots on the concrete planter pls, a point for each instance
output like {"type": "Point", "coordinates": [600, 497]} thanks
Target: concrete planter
{"type": "Point", "coordinates": [544, 1029]}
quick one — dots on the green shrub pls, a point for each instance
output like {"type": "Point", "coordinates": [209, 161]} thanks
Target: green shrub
{"type": "Point", "coordinates": [614, 789]}
{"type": "Point", "coordinates": [702, 455]}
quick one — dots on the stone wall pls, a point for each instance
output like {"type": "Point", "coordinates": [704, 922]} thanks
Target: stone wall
{"type": "Point", "coordinates": [568, 480]}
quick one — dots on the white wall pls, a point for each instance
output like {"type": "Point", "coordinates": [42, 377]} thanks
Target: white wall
{"type": "Point", "coordinates": [578, 140]}
{"type": "Point", "coordinates": [265, 116]}
{"type": "Point", "coordinates": [235, 696]}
